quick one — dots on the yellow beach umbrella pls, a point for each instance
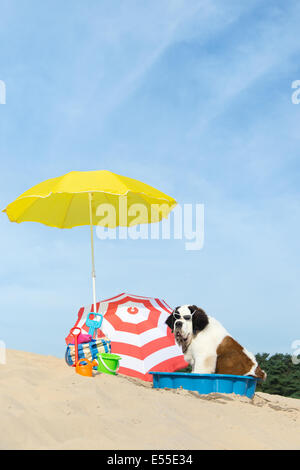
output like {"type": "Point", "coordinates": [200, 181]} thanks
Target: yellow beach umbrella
{"type": "Point", "coordinates": [84, 197]}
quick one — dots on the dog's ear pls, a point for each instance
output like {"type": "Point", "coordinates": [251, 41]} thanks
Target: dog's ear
{"type": "Point", "coordinates": [170, 321]}
{"type": "Point", "coordinates": [200, 319]}
{"type": "Point", "coordinates": [193, 308]}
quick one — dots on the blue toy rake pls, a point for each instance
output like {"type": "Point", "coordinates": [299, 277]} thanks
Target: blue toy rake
{"type": "Point", "coordinates": [94, 324]}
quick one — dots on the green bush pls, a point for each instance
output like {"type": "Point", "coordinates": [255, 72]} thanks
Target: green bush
{"type": "Point", "coordinates": [283, 376]}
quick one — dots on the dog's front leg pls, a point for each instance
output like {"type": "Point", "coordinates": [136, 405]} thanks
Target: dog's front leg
{"type": "Point", "coordinates": [204, 366]}
{"type": "Point", "coordinates": [189, 358]}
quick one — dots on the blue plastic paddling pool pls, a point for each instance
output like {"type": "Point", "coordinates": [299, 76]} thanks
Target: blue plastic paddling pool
{"type": "Point", "coordinates": [206, 383]}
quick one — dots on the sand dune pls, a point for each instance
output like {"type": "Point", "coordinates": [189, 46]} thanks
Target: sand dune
{"type": "Point", "coordinates": [45, 405]}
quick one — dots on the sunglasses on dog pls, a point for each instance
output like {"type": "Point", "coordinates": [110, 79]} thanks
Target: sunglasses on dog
{"type": "Point", "coordinates": [177, 316]}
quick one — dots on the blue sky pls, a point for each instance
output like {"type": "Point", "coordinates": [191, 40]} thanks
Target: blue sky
{"type": "Point", "coordinates": [190, 96]}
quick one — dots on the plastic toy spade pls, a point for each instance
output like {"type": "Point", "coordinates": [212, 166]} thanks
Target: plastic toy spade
{"type": "Point", "coordinates": [94, 324]}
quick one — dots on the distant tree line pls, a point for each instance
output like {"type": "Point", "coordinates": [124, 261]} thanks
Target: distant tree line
{"type": "Point", "coordinates": [283, 377]}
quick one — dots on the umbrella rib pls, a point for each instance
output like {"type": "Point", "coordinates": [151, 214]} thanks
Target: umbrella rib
{"type": "Point", "coordinates": [27, 208]}
{"type": "Point", "coordinates": [160, 215]}
{"type": "Point", "coordinates": [119, 178]}
{"type": "Point", "coordinates": [65, 216]}
{"type": "Point", "coordinates": [106, 196]}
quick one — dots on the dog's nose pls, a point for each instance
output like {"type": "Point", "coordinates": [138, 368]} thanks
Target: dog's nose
{"type": "Point", "coordinates": [178, 324]}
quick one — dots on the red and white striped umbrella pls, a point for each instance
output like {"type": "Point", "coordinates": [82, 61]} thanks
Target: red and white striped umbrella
{"type": "Point", "coordinates": [138, 333]}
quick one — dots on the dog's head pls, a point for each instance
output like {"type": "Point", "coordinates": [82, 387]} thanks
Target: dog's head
{"type": "Point", "coordinates": [186, 321]}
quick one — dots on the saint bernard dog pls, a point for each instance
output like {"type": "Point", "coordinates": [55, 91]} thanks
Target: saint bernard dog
{"type": "Point", "coordinates": [208, 347]}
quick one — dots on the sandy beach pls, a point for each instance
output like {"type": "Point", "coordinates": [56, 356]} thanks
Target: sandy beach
{"type": "Point", "coordinates": [45, 405]}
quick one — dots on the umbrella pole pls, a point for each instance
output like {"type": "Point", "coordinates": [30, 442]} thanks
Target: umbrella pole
{"type": "Point", "coordinates": [92, 251]}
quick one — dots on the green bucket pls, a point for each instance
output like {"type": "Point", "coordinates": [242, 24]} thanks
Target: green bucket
{"type": "Point", "coordinates": [108, 363]}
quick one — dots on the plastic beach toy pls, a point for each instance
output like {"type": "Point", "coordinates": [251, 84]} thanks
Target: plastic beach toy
{"type": "Point", "coordinates": [75, 332]}
{"type": "Point", "coordinates": [85, 369]}
{"type": "Point", "coordinates": [82, 338]}
{"type": "Point", "coordinates": [94, 324]}
{"type": "Point", "coordinates": [206, 383]}
{"type": "Point", "coordinates": [108, 363]}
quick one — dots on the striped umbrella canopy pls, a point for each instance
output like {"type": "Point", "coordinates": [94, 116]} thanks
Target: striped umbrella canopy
{"type": "Point", "coordinates": [138, 333]}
